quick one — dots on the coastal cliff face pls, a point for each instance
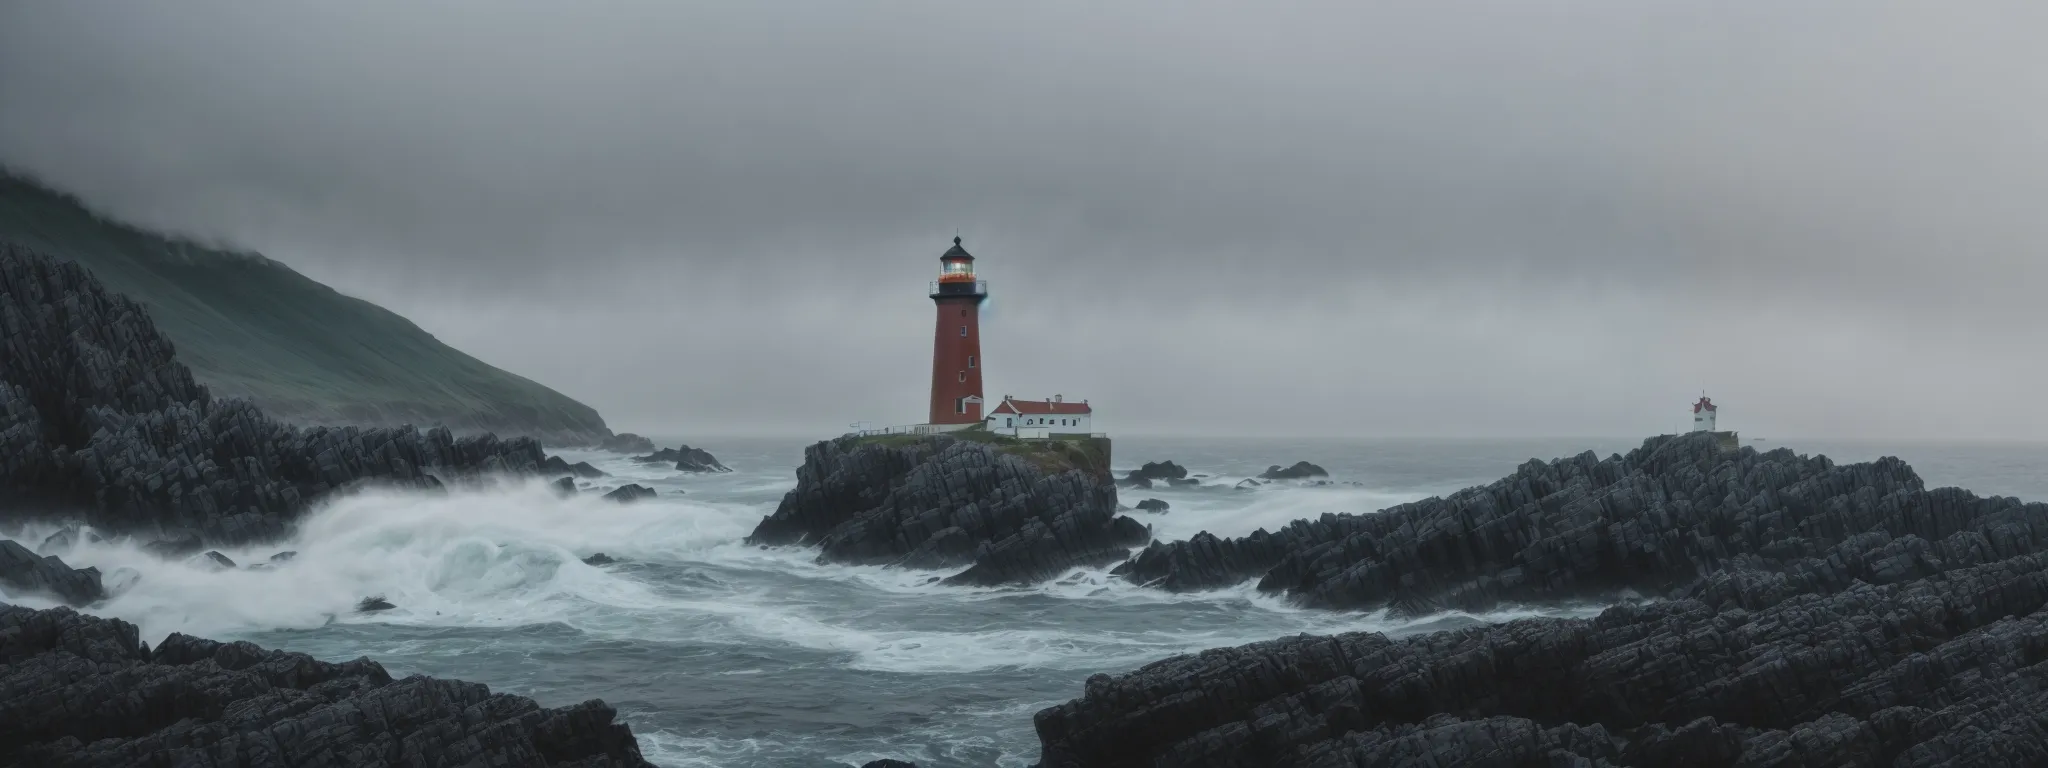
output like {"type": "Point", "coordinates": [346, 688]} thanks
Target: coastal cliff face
{"type": "Point", "coordinates": [82, 691]}
{"type": "Point", "coordinates": [97, 414]}
{"type": "Point", "coordinates": [251, 328]}
{"type": "Point", "coordinates": [1813, 614]}
{"type": "Point", "coordinates": [1015, 514]}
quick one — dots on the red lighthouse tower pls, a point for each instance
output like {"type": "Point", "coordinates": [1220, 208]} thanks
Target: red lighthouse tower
{"type": "Point", "coordinates": [956, 340]}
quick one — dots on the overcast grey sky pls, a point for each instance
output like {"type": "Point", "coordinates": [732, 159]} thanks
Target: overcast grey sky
{"type": "Point", "coordinates": [1389, 218]}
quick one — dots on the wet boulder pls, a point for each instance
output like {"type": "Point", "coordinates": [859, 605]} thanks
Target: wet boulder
{"type": "Point", "coordinates": [373, 604]}
{"type": "Point", "coordinates": [22, 571]}
{"type": "Point", "coordinates": [685, 458]}
{"type": "Point", "coordinates": [1157, 470]}
{"type": "Point", "coordinates": [563, 486]}
{"type": "Point", "coordinates": [629, 493]}
{"type": "Point", "coordinates": [218, 561]}
{"type": "Point", "coordinates": [1300, 471]}
{"type": "Point", "coordinates": [1154, 506]}
{"type": "Point", "coordinates": [600, 559]}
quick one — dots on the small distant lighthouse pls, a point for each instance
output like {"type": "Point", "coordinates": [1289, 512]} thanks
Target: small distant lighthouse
{"type": "Point", "coordinates": [956, 340]}
{"type": "Point", "coordinates": [1703, 415]}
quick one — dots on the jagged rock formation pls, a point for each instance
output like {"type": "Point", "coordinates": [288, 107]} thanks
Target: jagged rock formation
{"type": "Point", "coordinates": [82, 691]}
{"type": "Point", "coordinates": [686, 459]}
{"type": "Point", "coordinates": [626, 442]}
{"type": "Point", "coordinates": [373, 604]}
{"type": "Point", "coordinates": [251, 328]}
{"type": "Point", "coordinates": [21, 572]}
{"type": "Point", "coordinates": [938, 502]}
{"type": "Point", "coordinates": [556, 466]}
{"type": "Point", "coordinates": [1300, 470]}
{"type": "Point", "coordinates": [1816, 614]}
{"type": "Point", "coordinates": [629, 493]}
{"type": "Point", "coordinates": [1749, 669]}
{"type": "Point", "coordinates": [98, 415]}
{"type": "Point", "coordinates": [1154, 506]}
{"type": "Point", "coordinates": [1584, 527]}
{"type": "Point", "coordinates": [1143, 476]}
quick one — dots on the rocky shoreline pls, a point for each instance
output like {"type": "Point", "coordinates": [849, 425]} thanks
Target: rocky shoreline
{"type": "Point", "coordinates": [98, 416]}
{"type": "Point", "coordinates": [1803, 613]}
{"type": "Point", "coordinates": [77, 690]}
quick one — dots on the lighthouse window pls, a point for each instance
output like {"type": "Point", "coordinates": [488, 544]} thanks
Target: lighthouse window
{"type": "Point", "coordinates": [970, 361]}
{"type": "Point", "coordinates": [963, 375]}
{"type": "Point", "coordinates": [963, 330]}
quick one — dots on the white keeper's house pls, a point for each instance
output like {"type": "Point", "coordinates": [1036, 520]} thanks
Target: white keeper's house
{"type": "Point", "coordinates": [1039, 418]}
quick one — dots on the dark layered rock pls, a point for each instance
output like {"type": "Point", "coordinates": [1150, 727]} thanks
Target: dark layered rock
{"type": "Point", "coordinates": [80, 691]}
{"type": "Point", "coordinates": [1143, 476]}
{"type": "Point", "coordinates": [1154, 506]}
{"type": "Point", "coordinates": [23, 573]}
{"type": "Point", "coordinates": [626, 442]}
{"type": "Point", "coordinates": [1013, 513]}
{"type": "Point", "coordinates": [1301, 470]}
{"type": "Point", "coordinates": [600, 559]}
{"type": "Point", "coordinates": [1745, 668]}
{"type": "Point", "coordinates": [1810, 614]}
{"type": "Point", "coordinates": [629, 493]}
{"type": "Point", "coordinates": [556, 466]}
{"type": "Point", "coordinates": [220, 560]}
{"type": "Point", "coordinates": [685, 458]}
{"type": "Point", "coordinates": [1584, 527]}
{"type": "Point", "coordinates": [373, 604]}
{"type": "Point", "coordinates": [97, 416]}
{"type": "Point", "coordinates": [563, 487]}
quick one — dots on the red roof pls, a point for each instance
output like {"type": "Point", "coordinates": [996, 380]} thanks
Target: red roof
{"type": "Point", "coordinates": [1703, 405]}
{"type": "Point", "coordinates": [1042, 408]}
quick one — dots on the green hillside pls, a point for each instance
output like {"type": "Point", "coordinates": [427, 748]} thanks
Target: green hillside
{"type": "Point", "coordinates": [251, 327]}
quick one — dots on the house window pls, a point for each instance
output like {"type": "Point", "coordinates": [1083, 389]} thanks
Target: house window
{"type": "Point", "coordinates": [970, 361]}
{"type": "Point", "coordinates": [963, 330]}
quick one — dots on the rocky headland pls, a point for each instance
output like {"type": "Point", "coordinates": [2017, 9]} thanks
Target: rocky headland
{"type": "Point", "coordinates": [1299, 471]}
{"type": "Point", "coordinates": [1013, 511]}
{"type": "Point", "coordinates": [99, 417]}
{"type": "Point", "coordinates": [251, 328]}
{"type": "Point", "coordinates": [1800, 613]}
{"type": "Point", "coordinates": [82, 691]}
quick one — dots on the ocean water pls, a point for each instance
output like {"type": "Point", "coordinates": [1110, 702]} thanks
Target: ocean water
{"type": "Point", "coordinates": [719, 654]}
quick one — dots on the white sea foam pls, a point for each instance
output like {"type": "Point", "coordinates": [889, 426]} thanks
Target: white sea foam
{"type": "Point", "coordinates": [509, 555]}
{"type": "Point", "coordinates": [505, 555]}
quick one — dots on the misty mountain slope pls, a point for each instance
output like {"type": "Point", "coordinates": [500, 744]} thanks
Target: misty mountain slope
{"type": "Point", "coordinates": [305, 353]}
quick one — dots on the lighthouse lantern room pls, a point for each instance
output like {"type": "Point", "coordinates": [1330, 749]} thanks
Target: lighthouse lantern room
{"type": "Point", "coordinates": [1703, 415]}
{"type": "Point", "coordinates": [956, 339]}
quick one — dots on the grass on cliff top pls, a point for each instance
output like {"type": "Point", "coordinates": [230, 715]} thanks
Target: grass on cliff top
{"type": "Point", "coordinates": [250, 327]}
{"type": "Point", "coordinates": [1056, 454]}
